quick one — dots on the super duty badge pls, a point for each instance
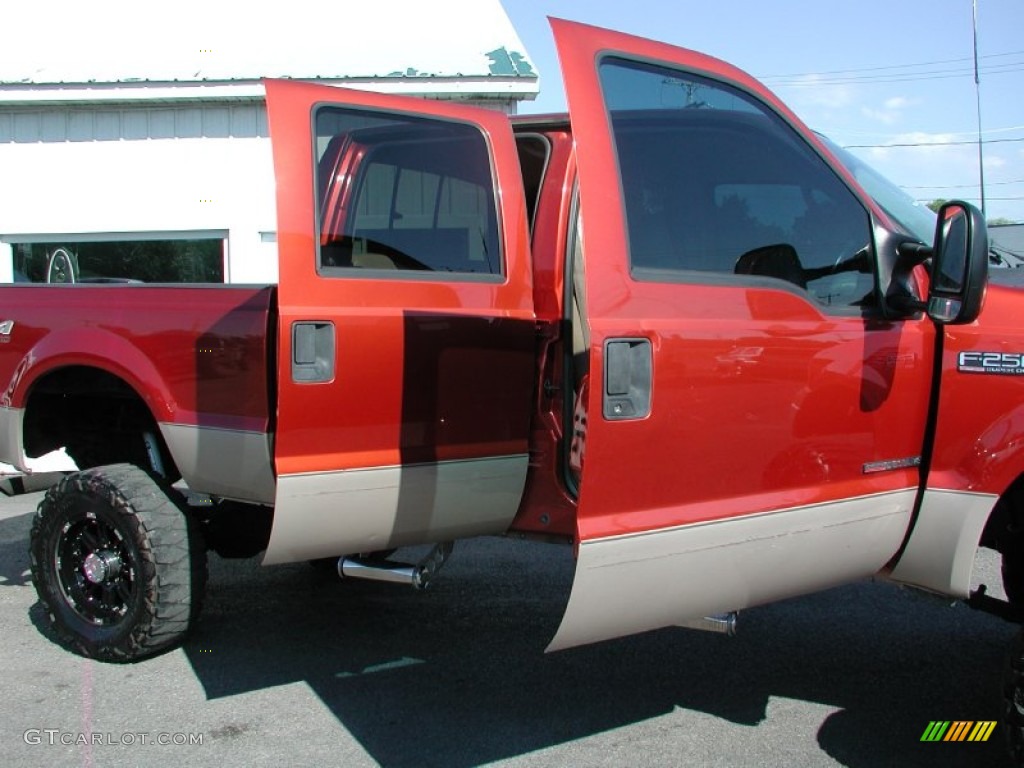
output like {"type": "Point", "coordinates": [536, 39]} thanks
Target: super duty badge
{"type": "Point", "coordinates": [1006, 363]}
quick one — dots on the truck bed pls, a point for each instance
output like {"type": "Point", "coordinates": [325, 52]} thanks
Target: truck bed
{"type": "Point", "coordinates": [198, 357]}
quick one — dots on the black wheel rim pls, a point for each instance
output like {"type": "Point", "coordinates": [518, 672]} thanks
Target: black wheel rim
{"type": "Point", "coordinates": [95, 570]}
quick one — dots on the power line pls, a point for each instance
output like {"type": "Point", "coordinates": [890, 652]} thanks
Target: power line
{"type": "Point", "coordinates": [1011, 199]}
{"type": "Point", "coordinates": [947, 74]}
{"type": "Point", "coordinates": [930, 144]}
{"type": "Point", "coordinates": [889, 134]}
{"type": "Point", "coordinates": [961, 186]}
{"type": "Point", "coordinates": [891, 66]}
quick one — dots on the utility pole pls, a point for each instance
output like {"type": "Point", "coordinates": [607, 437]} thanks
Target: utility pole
{"type": "Point", "coordinates": [977, 98]}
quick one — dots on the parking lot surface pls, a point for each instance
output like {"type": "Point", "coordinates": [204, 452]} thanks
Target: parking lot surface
{"type": "Point", "coordinates": [286, 667]}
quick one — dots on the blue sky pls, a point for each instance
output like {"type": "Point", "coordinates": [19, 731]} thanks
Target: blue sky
{"type": "Point", "coordinates": [871, 74]}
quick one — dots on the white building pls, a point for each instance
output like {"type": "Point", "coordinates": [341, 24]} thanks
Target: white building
{"type": "Point", "coordinates": [145, 133]}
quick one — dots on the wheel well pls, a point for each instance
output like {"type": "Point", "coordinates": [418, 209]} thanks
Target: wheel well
{"type": "Point", "coordinates": [1004, 527]}
{"type": "Point", "coordinates": [96, 416]}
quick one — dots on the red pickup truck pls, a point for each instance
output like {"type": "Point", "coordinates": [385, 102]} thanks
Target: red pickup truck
{"type": "Point", "coordinates": [669, 329]}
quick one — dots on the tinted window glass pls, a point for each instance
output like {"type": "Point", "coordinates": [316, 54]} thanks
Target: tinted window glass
{"type": "Point", "coordinates": [916, 218]}
{"type": "Point", "coordinates": [714, 182]}
{"type": "Point", "coordinates": [404, 193]}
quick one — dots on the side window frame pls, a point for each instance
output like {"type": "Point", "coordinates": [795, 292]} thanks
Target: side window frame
{"type": "Point", "coordinates": [350, 188]}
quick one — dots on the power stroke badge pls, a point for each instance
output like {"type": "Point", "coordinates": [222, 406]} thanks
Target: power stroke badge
{"type": "Point", "coordinates": [1004, 363]}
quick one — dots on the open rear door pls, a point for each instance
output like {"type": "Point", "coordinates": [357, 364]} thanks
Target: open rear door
{"type": "Point", "coordinates": [406, 327]}
{"type": "Point", "coordinates": [753, 423]}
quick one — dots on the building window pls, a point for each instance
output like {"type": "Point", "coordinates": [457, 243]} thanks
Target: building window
{"type": "Point", "coordinates": [146, 261]}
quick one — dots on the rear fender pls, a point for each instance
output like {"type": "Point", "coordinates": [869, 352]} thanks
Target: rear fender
{"type": "Point", "coordinates": [93, 348]}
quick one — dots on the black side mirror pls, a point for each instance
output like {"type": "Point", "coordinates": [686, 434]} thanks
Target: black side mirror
{"type": "Point", "coordinates": [959, 264]}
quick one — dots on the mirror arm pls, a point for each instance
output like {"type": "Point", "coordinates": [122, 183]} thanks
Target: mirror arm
{"type": "Point", "coordinates": [907, 304]}
{"type": "Point", "coordinates": [900, 299]}
{"type": "Point", "coordinates": [911, 254]}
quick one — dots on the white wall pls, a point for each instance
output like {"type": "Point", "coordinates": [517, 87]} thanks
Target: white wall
{"type": "Point", "coordinates": [6, 263]}
{"type": "Point", "coordinates": [74, 171]}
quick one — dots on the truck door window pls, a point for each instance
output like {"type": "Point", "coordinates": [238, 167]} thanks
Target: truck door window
{"type": "Point", "coordinates": [714, 182]}
{"type": "Point", "coordinates": [404, 194]}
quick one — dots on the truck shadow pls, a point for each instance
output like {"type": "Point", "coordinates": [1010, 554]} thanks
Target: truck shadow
{"type": "Point", "coordinates": [14, 558]}
{"type": "Point", "coordinates": [456, 676]}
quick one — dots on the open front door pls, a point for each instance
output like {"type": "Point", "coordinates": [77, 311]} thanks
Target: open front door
{"type": "Point", "coordinates": [753, 423]}
{"type": "Point", "coordinates": [406, 329]}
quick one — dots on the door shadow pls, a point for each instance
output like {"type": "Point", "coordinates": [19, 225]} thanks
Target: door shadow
{"type": "Point", "coordinates": [456, 675]}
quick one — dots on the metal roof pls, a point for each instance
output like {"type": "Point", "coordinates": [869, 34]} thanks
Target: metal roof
{"type": "Point", "coordinates": [68, 42]}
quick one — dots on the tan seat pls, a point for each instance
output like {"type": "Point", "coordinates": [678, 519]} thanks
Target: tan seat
{"type": "Point", "coordinates": [373, 261]}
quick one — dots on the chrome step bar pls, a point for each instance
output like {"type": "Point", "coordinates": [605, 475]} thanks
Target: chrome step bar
{"type": "Point", "coordinates": [417, 576]}
{"type": "Point", "coordinates": [722, 623]}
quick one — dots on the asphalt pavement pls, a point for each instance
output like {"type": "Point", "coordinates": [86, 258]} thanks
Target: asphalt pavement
{"type": "Point", "coordinates": [286, 667]}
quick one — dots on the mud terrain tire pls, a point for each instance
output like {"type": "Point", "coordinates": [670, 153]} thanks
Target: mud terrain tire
{"type": "Point", "coordinates": [118, 565]}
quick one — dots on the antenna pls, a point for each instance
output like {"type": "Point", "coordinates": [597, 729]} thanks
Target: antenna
{"type": "Point", "coordinates": [977, 98]}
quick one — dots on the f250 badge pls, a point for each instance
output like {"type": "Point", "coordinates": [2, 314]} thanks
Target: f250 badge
{"type": "Point", "coordinates": [1005, 363]}
{"type": "Point", "coordinates": [6, 326]}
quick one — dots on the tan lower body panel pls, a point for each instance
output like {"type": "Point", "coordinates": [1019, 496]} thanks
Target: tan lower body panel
{"type": "Point", "coordinates": [328, 514]}
{"type": "Point", "coordinates": [940, 554]}
{"type": "Point", "coordinates": [11, 449]}
{"type": "Point", "coordinates": [233, 464]}
{"type": "Point", "coordinates": [634, 583]}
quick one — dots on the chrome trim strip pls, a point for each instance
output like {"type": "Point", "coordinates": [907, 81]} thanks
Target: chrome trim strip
{"type": "Point", "coordinates": [940, 554]}
{"type": "Point", "coordinates": [637, 582]}
{"type": "Point", "coordinates": [890, 464]}
{"type": "Point", "coordinates": [233, 464]}
{"type": "Point", "coordinates": [327, 514]}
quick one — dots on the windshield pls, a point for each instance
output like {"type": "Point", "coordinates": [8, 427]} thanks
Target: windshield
{"type": "Point", "coordinates": [915, 218]}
